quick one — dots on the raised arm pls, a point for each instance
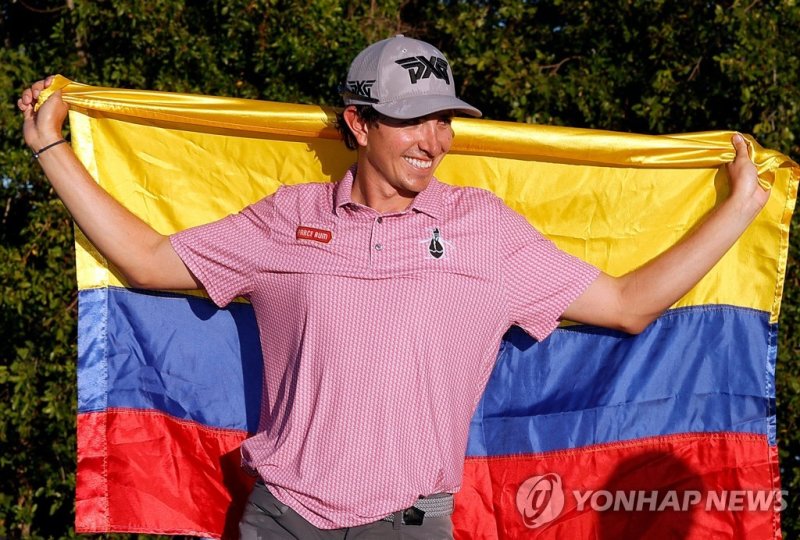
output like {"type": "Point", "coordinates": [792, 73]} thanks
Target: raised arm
{"type": "Point", "coordinates": [144, 256]}
{"type": "Point", "coordinates": [633, 301]}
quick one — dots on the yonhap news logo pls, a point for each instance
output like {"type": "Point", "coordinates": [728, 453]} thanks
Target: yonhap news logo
{"type": "Point", "coordinates": [541, 499]}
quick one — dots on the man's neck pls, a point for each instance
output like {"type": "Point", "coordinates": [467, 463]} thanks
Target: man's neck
{"type": "Point", "coordinates": [370, 189]}
{"type": "Point", "coordinates": [383, 201]}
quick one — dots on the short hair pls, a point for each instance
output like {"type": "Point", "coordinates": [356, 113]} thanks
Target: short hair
{"type": "Point", "coordinates": [366, 113]}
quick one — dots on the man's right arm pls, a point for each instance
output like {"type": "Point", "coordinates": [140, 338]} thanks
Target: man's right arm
{"type": "Point", "coordinates": [144, 256]}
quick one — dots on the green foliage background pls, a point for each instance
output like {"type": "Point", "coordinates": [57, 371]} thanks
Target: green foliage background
{"type": "Point", "coordinates": [652, 66]}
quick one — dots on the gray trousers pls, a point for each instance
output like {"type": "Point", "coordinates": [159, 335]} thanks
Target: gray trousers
{"type": "Point", "coordinates": [265, 517]}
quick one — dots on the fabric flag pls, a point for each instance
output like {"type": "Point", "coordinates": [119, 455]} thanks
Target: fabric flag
{"type": "Point", "coordinates": [588, 434]}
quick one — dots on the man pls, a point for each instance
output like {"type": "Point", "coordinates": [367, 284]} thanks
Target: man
{"type": "Point", "coordinates": [383, 299]}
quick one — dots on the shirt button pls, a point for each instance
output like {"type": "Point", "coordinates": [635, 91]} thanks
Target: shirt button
{"type": "Point", "coordinates": [380, 220]}
{"type": "Point", "coordinates": [378, 247]}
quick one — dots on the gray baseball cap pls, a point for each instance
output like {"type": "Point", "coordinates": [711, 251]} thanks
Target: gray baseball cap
{"type": "Point", "coordinates": [403, 78]}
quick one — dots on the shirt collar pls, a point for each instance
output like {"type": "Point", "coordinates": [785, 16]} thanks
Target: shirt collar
{"type": "Point", "coordinates": [428, 201]}
{"type": "Point", "coordinates": [343, 192]}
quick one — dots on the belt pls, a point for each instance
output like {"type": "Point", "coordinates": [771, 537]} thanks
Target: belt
{"type": "Point", "coordinates": [438, 505]}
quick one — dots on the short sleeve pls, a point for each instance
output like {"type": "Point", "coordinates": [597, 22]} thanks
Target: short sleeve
{"type": "Point", "coordinates": [540, 280]}
{"type": "Point", "coordinates": [225, 255]}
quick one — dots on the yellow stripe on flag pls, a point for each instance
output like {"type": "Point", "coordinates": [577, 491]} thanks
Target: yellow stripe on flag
{"type": "Point", "coordinates": [613, 199]}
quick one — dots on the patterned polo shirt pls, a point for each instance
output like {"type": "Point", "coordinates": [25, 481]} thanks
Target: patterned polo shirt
{"type": "Point", "coordinates": [379, 333]}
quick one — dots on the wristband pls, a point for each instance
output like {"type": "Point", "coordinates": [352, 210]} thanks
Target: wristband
{"type": "Point", "coordinates": [48, 147]}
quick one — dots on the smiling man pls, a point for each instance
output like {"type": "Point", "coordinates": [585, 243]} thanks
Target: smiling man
{"type": "Point", "coordinates": [407, 87]}
{"type": "Point", "coordinates": [398, 160]}
{"type": "Point", "coordinates": [381, 299]}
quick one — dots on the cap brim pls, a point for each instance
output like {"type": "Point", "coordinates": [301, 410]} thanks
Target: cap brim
{"type": "Point", "coordinates": [417, 106]}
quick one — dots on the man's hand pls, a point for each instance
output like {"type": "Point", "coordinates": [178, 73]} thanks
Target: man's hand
{"type": "Point", "coordinates": [41, 127]}
{"type": "Point", "coordinates": [745, 189]}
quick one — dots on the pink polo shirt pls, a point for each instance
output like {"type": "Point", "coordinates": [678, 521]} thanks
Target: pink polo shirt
{"type": "Point", "coordinates": [379, 333]}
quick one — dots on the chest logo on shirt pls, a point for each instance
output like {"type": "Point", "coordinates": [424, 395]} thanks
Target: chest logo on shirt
{"type": "Point", "coordinates": [310, 233]}
{"type": "Point", "coordinates": [437, 246]}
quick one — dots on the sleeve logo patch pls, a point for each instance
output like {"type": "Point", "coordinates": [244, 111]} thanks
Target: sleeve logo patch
{"type": "Point", "coordinates": [310, 233]}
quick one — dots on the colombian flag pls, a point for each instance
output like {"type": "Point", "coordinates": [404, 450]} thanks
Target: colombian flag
{"type": "Point", "coordinates": [588, 434]}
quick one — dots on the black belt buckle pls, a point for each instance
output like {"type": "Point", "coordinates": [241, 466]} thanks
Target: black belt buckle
{"type": "Point", "coordinates": [413, 516]}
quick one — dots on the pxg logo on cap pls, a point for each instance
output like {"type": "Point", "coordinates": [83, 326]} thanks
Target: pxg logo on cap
{"type": "Point", "coordinates": [420, 67]}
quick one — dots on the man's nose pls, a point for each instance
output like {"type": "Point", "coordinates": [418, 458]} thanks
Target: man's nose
{"type": "Point", "coordinates": [430, 137]}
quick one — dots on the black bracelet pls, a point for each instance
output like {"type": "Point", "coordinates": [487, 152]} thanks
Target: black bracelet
{"type": "Point", "coordinates": [48, 147]}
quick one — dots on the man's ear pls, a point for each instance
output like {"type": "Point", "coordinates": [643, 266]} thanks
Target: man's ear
{"type": "Point", "coordinates": [358, 126]}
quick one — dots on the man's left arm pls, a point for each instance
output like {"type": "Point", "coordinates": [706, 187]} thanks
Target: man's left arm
{"type": "Point", "coordinates": [634, 300]}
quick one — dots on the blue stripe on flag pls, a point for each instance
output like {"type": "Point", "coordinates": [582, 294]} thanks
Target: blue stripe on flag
{"type": "Point", "coordinates": [178, 354]}
{"type": "Point", "coordinates": [92, 360]}
{"type": "Point", "coordinates": [697, 369]}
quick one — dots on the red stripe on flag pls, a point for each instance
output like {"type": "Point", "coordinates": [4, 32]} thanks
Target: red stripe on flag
{"type": "Point", "coordinates": [162, 475]}
{"type": "Point", "coordinates": [91, 488]}
{"type": "Point", "coordinates": [725, 485]}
